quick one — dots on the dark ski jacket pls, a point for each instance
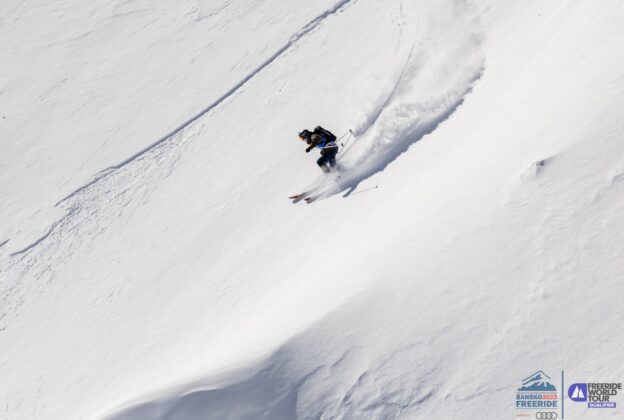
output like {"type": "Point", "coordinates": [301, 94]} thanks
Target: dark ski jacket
{"type": "Point", "coordinates": [317, 140]}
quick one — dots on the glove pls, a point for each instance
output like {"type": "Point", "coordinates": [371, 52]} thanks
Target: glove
{"type": "Point", "coordinates": [308, 149]}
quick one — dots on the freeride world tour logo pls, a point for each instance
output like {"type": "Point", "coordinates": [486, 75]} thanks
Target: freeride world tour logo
{"type": "Point", "coordinates": [595, 394]}
{"type": "Point", "coordinates": [538, 393]}
{"type": "Point", "coordinates": [578, 392]}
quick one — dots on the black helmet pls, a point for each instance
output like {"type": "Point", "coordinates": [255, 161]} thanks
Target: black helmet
{"type": "Point", "coordinates": [305, 134]}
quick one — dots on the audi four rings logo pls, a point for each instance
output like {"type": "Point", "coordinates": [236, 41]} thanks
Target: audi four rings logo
{"type": "Point", "coordinates": [546, 415]}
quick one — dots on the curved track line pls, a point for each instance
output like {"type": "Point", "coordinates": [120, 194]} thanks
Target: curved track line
{"type": "Point", "coordinates": [309, 27]}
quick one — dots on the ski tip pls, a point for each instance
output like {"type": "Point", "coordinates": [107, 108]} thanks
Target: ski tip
{"type": "Point", "coordinates": [297, 198]}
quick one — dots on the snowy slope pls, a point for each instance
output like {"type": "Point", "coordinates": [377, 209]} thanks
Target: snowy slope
{"type": "Point", "coordinates": [155, 269]}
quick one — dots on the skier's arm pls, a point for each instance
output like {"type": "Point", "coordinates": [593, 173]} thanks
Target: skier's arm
{"type": "Point", "coordinates": [314, 141]}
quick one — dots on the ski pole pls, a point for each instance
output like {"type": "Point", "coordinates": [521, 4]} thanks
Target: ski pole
{"type": "Point", "coordinates": [344, 145]}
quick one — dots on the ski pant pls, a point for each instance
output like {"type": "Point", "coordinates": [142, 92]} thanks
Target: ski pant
{"type": "Point", "coordinates": [328, 157]}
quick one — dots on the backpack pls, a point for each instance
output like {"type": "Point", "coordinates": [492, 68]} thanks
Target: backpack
{"type": "Point", "coordinates": [329, 136]}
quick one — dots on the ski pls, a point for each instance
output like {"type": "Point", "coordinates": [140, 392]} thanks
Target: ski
{"type": "Point", "coordinates": [298, 197]}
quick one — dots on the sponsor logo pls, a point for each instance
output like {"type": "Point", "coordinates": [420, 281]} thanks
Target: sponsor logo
{"type": "Point", "coordinates": [537, 392]}
{"type": "Point", "coordinates": [546, 415]}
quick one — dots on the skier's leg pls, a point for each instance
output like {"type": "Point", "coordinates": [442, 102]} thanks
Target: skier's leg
{"type": "Point", "coordinates": [322, 163]}
{"type": "Point", "coordinates": [328, 158]}
{"type": "Point", "coordinates": [332, 158]}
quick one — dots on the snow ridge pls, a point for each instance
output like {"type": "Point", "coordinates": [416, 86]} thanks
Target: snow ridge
{"type": "Point", "coordinates": [282, 388]}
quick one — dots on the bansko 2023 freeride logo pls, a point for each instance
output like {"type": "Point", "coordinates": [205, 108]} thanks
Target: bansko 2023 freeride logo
{"type": "Point", "coordinates": [538, 393]}
{"type": "Point", "coordinates": [595, 394]}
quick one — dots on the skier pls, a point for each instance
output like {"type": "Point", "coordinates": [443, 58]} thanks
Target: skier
{"type": "Point", "coordinates": [324, 140]}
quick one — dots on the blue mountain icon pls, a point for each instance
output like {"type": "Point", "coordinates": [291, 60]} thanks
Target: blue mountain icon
{"type": "Point", "coordinates": [538, 381]}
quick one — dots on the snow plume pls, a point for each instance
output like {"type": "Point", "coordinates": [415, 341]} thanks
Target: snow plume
{"type": "Point", "coordinates": [441, 59]}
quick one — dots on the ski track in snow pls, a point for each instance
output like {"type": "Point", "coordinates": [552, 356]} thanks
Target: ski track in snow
{"type": "Point", "coordinates": [172, 134]}
{"type": "Point", "coordinates": [405, 116]}
{"type": "Point", "coordinates": [114, 187]}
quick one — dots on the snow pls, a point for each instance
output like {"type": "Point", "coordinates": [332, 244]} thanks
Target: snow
{"type": "Point", "coordinates": [152, 268]}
